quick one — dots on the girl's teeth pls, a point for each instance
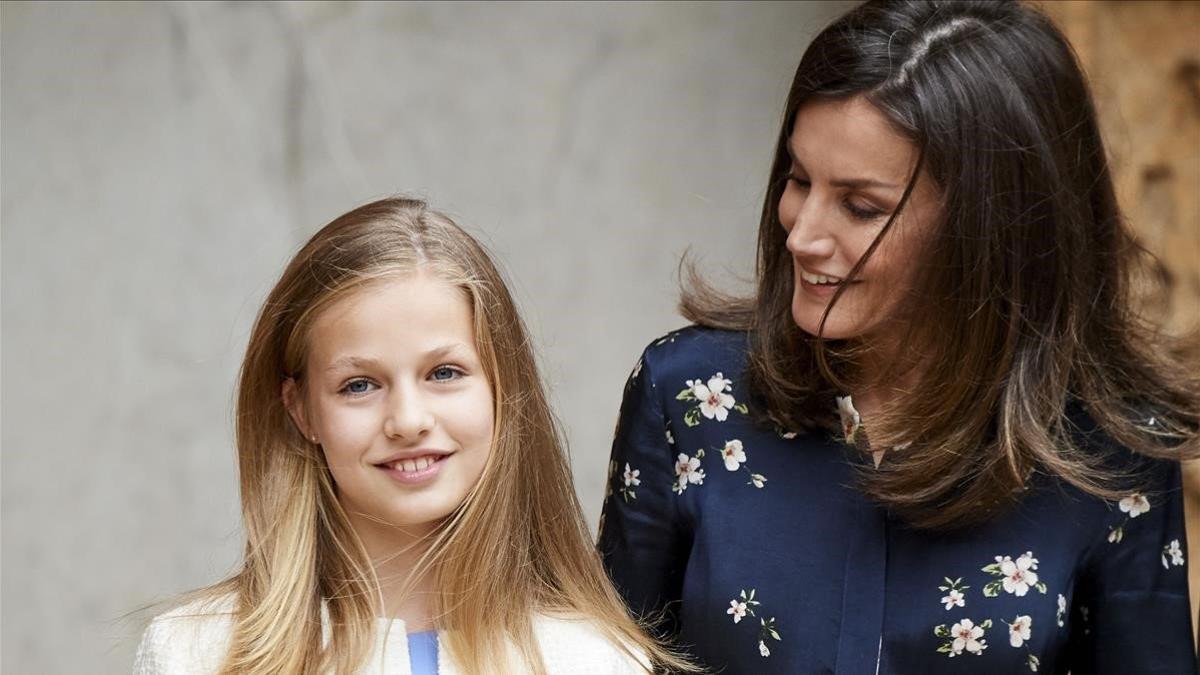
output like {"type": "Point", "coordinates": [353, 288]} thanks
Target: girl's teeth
{"type": "Point", "coordinates": [411, 465]}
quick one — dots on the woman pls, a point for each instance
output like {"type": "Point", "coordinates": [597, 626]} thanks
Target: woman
{"type": "Point", "coordinates": [937, 432]}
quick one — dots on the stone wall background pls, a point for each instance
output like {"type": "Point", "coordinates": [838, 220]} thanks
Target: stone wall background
{"type": "Point", "coordinates": [161, 162]}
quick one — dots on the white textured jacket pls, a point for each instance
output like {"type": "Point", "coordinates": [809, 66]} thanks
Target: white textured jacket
{"type": "Point", "coordinates": [193, 641]}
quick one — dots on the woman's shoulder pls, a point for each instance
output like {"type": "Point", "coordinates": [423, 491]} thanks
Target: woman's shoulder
{"type": "Point", "coordinates": [576, 644]}
{"type": "Point", "coordinates": [691, 352]}
{"type": "Point", "coordinates": [192, 638]}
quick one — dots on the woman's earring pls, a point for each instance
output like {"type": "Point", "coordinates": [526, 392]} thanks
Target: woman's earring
{"type": "Point", "coordinates": [314, 440]}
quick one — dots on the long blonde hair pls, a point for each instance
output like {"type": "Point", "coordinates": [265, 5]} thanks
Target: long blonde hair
{"type": "Point", "coordinates": [516, 547]}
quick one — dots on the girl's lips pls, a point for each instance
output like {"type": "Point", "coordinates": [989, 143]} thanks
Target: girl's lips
{"type": "Point", "coordinates": [420, 475]}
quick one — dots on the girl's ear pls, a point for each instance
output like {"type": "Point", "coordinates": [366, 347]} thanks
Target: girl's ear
{"type": "Point", "coordinates": [295, 407]}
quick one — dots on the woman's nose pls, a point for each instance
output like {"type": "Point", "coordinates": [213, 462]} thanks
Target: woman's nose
{"type": "Point", "coordinates": [807, 235]}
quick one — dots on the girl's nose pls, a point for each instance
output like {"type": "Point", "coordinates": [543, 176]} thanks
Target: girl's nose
{"type": "Point", "coordinates": [410, 418]}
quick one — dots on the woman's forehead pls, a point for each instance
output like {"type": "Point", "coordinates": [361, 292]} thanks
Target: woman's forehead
{"type": "Point", "coordinates": [851, 139]}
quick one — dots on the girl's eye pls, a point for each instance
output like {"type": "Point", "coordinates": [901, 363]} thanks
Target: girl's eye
{"type": "Point", "coordinates": [444, 374]}
{"type": "Point", "coordinates": [357, 387]}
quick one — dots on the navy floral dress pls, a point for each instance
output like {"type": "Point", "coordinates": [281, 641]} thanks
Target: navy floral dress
{"type": "Point", "coordinates": [766, 559]}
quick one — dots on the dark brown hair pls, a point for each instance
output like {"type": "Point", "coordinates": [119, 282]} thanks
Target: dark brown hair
{"type": "Point", "coordinates": [1022, 310]}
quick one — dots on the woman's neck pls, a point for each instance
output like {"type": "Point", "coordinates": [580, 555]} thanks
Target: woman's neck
{"type": "Point", "coordinates": [885, 372]}
{"type": "Point", "coordinates": [394, 555]}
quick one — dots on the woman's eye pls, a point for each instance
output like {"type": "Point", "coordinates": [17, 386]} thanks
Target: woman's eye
{"type": "Point", "coordinates": [863, 212]}
{"type": "Point", "coordinates": [356, 387]}
{"type": "Point", "coordinates": [444, 373]}
{"type": "Point", "coordinates": [800, 182]}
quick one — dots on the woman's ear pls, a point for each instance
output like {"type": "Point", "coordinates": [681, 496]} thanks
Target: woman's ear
{"type": "Point", "coordinates": [292, 400]}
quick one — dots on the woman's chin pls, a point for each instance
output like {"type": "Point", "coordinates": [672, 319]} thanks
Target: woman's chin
{"type": "Point", "coordinates": [807, 318]}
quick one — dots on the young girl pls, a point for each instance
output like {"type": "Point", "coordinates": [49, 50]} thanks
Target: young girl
{"type": "Point", "coordinates": [407, 503]}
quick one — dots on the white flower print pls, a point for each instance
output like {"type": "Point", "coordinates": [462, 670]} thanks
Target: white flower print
{"type": "Point", "coordinates": [1034, 663]}
{"type": "Point", "coordinates": [713, 399]}
{"type": "Point", "coordinates": [1173, 551]}
{"type": "Point", "coordinates": [670, 438]}
{"type": "Point", "coordinates": [733, 454]}
{"type": "Point", "coordinates": [737, 609]}
{"type": "Point", "coordinates": [954, 593]}
{"type": "Point", "coordinates": [714, 402]}
{"type": "Point", "coordinates": [631, 476]}
{"type": "Point", "coordinates": [1062, 610]}
{"type": "Point", "coordinates": [953, 599]}
{"type": "Point", "coordinates": [963, 636]}
{"type": "Point", "coordinates": [1019, 630]}
{"type": "Point", "coordinates": [629, 481]}
{"type": "Point", "coordinates": [1016, 576]}
{"type": "Point", "coordinates": [969, 637]}
{"type": "Point", "coordinates": [688, 472]}
{"type": "Point", "coordinates": [851, 420]}
{"type": "Point", "coordinates": [1019, 575]}
{"type": "Point", "coordinates": [1135, 505]}
{"type": "Point", "coordinates": [757, 480]}
{"type": "Point", "coordinates": [743, 606]}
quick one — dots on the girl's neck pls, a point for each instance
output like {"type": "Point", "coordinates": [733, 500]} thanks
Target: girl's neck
{"type": "Point", "coordinates": [394, 555]}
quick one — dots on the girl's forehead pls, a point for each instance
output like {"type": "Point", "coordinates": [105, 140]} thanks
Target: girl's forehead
{"type": "Point", "coordinates": [390, 319]}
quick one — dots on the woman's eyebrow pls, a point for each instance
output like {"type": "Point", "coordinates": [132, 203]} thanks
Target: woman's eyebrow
{"type": "Point", "coordinates": [848, 183]}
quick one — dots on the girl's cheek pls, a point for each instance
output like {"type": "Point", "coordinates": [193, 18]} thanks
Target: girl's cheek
{"type": "Point", "coordinates": [481, 421]}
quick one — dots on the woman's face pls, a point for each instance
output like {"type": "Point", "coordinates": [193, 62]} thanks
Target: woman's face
{"type": "Point", "coordinates": [397, 397]}
{"type": "Point", "coordinates": [849, 169]}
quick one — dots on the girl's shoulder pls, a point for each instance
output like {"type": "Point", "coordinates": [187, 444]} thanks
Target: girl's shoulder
{"type": "Point", "coordinates": [192, 638]}
{"type": "Point", "coordinates": [571, 644]}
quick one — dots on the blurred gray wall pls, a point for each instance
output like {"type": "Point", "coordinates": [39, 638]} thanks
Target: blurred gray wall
{"type": "Point", "coordinates": [161, 162]}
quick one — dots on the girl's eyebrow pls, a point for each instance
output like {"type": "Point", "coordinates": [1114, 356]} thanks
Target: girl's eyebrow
{"type": "Point", "coordinates": [353, 363]}
{"type": "Point", "coordinates": [448, 348]}
{"type": "Point", "coordinates": [367, 363]}
{"type": "Point", "coordinates": [848, 183]}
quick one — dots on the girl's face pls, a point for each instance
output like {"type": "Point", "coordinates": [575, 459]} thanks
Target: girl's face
{"type": "Point", "coordinates": [849, 170]}
{"type": "Point", "coordinates": [396, 395]}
